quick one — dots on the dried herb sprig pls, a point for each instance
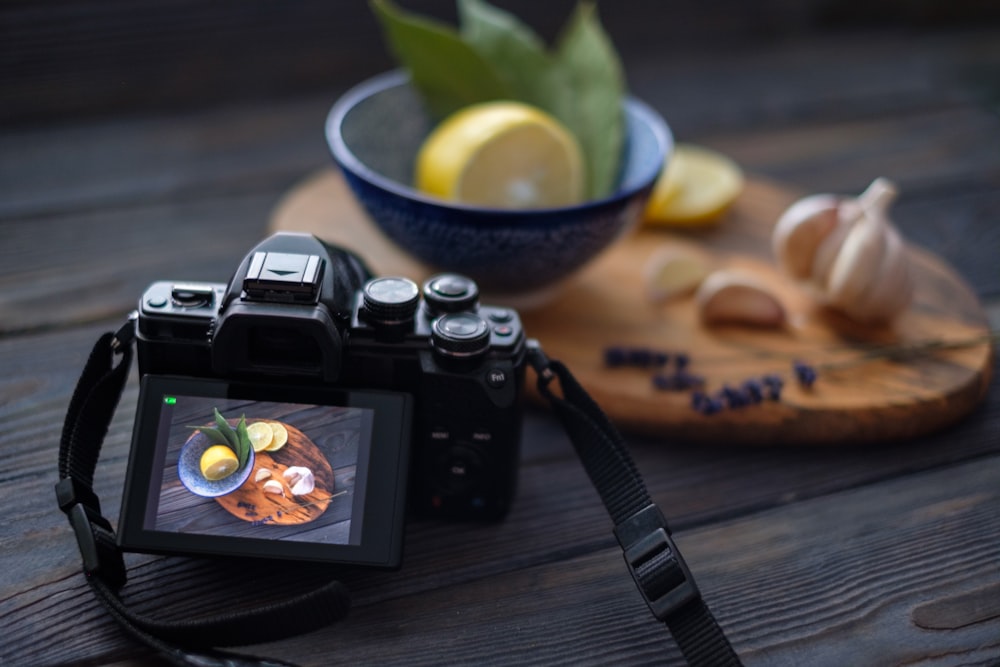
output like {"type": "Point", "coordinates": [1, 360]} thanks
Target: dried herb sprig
{"type": "Point", "coordinates": [753, 391]}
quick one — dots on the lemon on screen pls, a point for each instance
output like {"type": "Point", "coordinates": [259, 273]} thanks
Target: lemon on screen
{"type": "Point", "coordinates": [280, 436]}
{"type": "Point", "coordinates": [218, 462]}
{"type": "Point", "coordinates": [695, 188]}
{"type": "Point", "coordinates": [502, 155]}
{"type": "Point", "coordinates": [260, 435]}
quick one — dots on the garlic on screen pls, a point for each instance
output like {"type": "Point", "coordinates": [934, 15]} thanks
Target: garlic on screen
{"type": "Point", "coordinates": [848, 252]}
{"type": "Point", "coordinates": [274, 486]}
{"type": "Point", "coordinates": [300, 479]}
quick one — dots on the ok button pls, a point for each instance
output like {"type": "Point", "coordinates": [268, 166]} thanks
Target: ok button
{"type": "Point", "coordinates": [496, 377]}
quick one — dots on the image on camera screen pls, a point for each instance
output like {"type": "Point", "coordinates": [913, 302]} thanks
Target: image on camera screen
{"type": "Point", "coordinates": [262, 470]}
{"type": "Point", "coordinates": [267, 470]}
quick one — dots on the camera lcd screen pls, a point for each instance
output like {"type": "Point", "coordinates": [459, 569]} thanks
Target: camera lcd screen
{"type": "Point", "coordinates": [310, 473]}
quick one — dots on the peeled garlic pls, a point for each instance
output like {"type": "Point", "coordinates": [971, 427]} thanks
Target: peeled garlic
{"type": "Point", "coordinates": [671, 273]}
{"type": "Point", "coordinates": [728, 297]}
{"type": "Point", "coordinates": [847, 251]}
{"type": "Point", "coordinates": [263, 473]}
{"type": "Point", "coordinates": [274, 486]}
{"type": "Point", "coordinates": [300, 479]}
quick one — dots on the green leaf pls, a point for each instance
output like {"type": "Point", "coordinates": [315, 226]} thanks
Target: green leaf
{"type": "Point", "coordinates": [226, 430]}
{"type": "Point", "coordinates": [213, 434]}
{"type": "Point", "coordinates": [516, 52]}
{"type": "Point", "coordinates": [243, 438]}
{"type": "Point", "coordinates": [589, 99]}
{"type": "Point", "coordinates": [449, 73]}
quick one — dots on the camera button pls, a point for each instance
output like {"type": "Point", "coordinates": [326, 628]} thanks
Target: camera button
{"type": "Point", "coordinates": [503, 330]}
{"type": "Point", "coordinates": [440, 434]}
{"type": "Point", "coordinates": [156, 302]}
{"type": "Point", "coordinates": [500, 315]}
{"type": "Point", "coordinates": [496, 377]}
{"type": "Point", "coordinates": [481, 435]}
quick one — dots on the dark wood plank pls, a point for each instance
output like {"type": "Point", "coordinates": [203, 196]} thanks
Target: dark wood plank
{"type": "Point", "coordinates": [556, 507]}
{"type": "Point", "coordinates": [787, 585]}
{"type": "Point", "coordinates": [63, 58]}
{"type": "Point", "coordinates": [87, 267]}
{"type": "Point", "coordinates": [878, 554]}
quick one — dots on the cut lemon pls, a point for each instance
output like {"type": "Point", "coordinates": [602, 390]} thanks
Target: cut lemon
{"type": "Point", "coordinates": [280, 434]}
{"type": "Point", "coordinates": [695, 188]}
{"type": "Point", "coordinates": [502, 155]}
{"type": "Point", "coordinates": [260, 435]}
{"type": "Point", "coordinates": [218, 462]}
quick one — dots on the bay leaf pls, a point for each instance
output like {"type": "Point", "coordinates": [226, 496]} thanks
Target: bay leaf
{"type": "Point", "coordinates": [589, 96]}
{"type": "Point", "coordinates": [517, 53]}
{"type": "Point", "coordinates": [447, 71]}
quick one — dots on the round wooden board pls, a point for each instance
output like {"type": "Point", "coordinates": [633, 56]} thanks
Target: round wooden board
{"type": "Point", "coordinates": [607, 304]}
{"type": "Point", "coordinates": [252, 504]}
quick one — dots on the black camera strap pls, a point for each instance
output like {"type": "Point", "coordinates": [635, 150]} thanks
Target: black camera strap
{"type": "Point", "coordinates": [657, 567]}
{"type": "Point", "coordinates": [653, 560]}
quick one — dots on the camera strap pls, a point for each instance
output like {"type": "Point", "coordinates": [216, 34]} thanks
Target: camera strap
{"type": "Point", "coordinates": [653, 560]}
{"type": "Point", "coordinates": [659, 570]}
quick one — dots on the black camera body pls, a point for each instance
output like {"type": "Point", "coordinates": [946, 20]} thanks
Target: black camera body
{"type": "Point", "coordinates": [299, 312]}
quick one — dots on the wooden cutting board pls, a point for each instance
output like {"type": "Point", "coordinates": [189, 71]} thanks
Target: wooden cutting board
{"type": "Point", "coordinates": [854, 400]}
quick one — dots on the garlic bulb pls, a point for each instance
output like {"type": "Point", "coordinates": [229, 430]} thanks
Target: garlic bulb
{"type": "Point", "coordinates": [300, 479]}
{"type": "Point", "coordinates": [848, 252]}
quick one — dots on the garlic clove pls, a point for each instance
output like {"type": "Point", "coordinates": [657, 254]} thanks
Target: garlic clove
{"type": "Point", "coordinates": [800, 230]}
{"type": "Point", "coordinates": [275, 487]}
{"type": "Point", "coordinates": [728, 297]}
{"type": "Point", "coordinates": [671, 273]}
{"type": "Point", "coordinates": [300, 479]}
{"type": "Point", "coordinates": [892, 289]}
{"type": "Point", "coordinates": [829, 247]}
{"type": "Point", "coordinates": [262, 474]}
{"type": "Point", "coordinates": [857, 264]}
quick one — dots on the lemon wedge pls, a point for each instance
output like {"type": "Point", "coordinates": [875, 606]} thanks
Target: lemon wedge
{"type": "Point", "coordinates": [280, 436]}
{"type": "Point", "coordinates": [218, 462]}
{"type": "Point", "coordinates": [502, 155]}
{"type": "Point", "coordinates": [695, 188]}
{"type": "Point", "coordinates": [260, 435]}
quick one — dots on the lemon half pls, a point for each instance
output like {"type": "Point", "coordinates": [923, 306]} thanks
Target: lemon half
{"type": "Point", "coordinates": [218, 462]}
{"type": "Point", "coordinates": [502, 155]}
{"type": "Point", "coordinates": [695, 188]}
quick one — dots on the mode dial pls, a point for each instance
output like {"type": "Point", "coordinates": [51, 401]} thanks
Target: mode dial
{"type": "Point", "coordinates": [390, 300]}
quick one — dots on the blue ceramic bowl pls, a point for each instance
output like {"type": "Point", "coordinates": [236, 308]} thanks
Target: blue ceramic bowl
{"type": "Point", "coordinates": [189, 469]}
{"type": "Point", "coordinates": [374, 132]}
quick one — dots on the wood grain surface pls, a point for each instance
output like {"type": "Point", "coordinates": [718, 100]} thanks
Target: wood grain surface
{"type": "Point", "coordinates": [856, 400]}
{"type": "Point", "coordinates": [860, 556]}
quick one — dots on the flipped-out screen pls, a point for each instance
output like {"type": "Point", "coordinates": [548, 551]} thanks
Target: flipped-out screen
{"type": "Point", "coordinates": [252, 470]}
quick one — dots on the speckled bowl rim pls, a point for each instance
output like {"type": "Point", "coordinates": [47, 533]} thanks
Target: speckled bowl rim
{"type": "Point", "coordinates": [346, 158]}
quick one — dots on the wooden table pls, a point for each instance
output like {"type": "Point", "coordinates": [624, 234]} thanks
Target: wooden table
{"type": "Point", "coordinates": [873, 554]}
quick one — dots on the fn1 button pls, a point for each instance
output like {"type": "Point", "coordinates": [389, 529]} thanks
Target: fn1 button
{"type": "Point", "coordinates": [496, 377]}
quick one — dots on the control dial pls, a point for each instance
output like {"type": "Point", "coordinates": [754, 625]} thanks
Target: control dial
{"type": "Point", "coordinates": [460, 335]}
{"type": "Point", "coordinates": [450, 293]}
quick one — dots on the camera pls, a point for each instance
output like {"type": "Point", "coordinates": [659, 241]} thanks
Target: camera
{"type": "Point", "coordinates": [383, 397]}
